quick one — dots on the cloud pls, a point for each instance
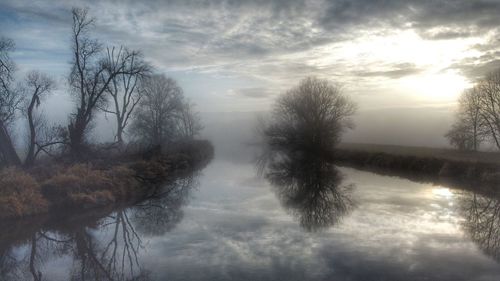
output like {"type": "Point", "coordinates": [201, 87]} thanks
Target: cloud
{"type": "Point", "coordinates": [417, 14]}
{"type": "Point", "coordinates": [393, 72]}
{"type": "Point", "coordinates": [252, 92]}
{"type": "Point", "coordinates": [447, 33]}
{"type": "Point", "coordinates": [258, 43]}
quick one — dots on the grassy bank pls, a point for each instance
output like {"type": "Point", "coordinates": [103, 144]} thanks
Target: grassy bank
{"type": "Point", "coordinates": [109, 179]}
{"type": "Point", "coordinates": [477, 167]}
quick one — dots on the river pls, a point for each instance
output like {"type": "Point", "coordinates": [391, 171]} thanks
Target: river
{"type": "Point", "coordinates": [228, 223]}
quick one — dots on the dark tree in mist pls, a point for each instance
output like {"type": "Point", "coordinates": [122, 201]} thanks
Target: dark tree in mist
{"type": "Point", "coordinates": [311, 116]}
{"type": "Point", "coordinates": [189, 124]}
{"type": "Point", "coordinates": [157, 117]}
{"type": "Point", "coordinates": [9, 103]}
{"type": "Point", "coordinates": [91, 75]}
{"type": "Point", "coordinates": [38, 86]}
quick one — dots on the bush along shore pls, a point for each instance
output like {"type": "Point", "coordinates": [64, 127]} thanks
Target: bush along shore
{"type": "Point", "coordinates": [106, 180]}
{"type": "Point", "coordinates": [421, 167]}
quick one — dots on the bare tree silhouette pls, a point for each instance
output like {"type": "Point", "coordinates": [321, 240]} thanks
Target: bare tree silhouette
{"type": "Point", "coordinates": [470, 128]}
{"type": "Point", "coordinates": [91, 76]}
{"type": "Point", "coordinates": [125, 91]}
{"type": "Point", "coordinates": [38, 86]}
{"type": "Point", "coordinates": [163, 115]}
{"type": "Point", "coordinates": [9, 103]}
{"type": "Point", "coordinates": [479, 114]}
{"type": "Point", "coordinates": [311, 116]}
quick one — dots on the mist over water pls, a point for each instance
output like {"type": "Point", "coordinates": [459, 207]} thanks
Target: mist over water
{"type": "Point", "coordinates": [397, 126]}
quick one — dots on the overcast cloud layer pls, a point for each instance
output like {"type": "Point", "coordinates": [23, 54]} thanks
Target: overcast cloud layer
{"type": "Point", "coordinates": [238, 55]}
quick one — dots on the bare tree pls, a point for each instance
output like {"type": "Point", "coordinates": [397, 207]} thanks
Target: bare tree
{"type": "Point", "coordinates": [459, 135]}
{"type": "Point", "coordinates": [489, 95]}
{"type": "Point", "coordinates": [310, 116]}
{"type": "Point", "coordinates": [470, 128]}
{"type": "Point", "coordinates": [124, 91]}
{"type": "Point", "coordinates": [50, 138]}
{"type": "Point", "coordinates": [156, 114]}
{"type": "Point", "coordinates": [470, 111]}
{"type": "Point", "coordinates": [479, 115]}
{"type": "Point", "coordinates": [9, 103]}
{"type": "Point", "coordinates": [38, 86]}
{"type": "Point", "coordinates": [189, 124]}
{"type": "Point", "coordinates": [91, 74]}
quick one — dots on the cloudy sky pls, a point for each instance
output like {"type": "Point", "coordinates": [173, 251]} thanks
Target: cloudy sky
{"type": "Point", "coordinates": [232, 55]}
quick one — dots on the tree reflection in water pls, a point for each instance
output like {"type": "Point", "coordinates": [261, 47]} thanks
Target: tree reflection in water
{"type": "Point", "coordinates": [308, 186]}
{"type": "Point", "coordinates": [162, 211]}
{"type": "Point", "coordinates": [482, 221]}
{"type": "Point", "coordinates": [100, 246]}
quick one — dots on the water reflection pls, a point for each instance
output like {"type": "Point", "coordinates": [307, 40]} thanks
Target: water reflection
{"type": "Point", "coordinates": [237, 227]}
{"type": "Point", "coordinates": [482, 221]}
{"type": "Point", "coordinates": [161, 212]}
{"type": "Point", "coordinates": [308, 186]}
{"type": "Point", "coordinates": [100, 245]}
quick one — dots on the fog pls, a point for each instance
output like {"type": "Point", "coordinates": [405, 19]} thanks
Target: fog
{"type": "Point", "coordinates": [231, 132]}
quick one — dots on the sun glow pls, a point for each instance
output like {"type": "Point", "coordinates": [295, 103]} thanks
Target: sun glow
{"type": "Point", "coordinates": [435, 87]}
{"type": "Point", "coordinates": [422, 69]}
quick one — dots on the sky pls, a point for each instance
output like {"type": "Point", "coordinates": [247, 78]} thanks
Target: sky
{"type": "Point", "coordinates": [389, 56]}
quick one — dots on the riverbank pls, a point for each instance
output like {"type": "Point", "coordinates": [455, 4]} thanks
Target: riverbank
{"type": "Point", "coordinates": [107, 180]}
{"type": "Point", "coordinates": [417, 162]}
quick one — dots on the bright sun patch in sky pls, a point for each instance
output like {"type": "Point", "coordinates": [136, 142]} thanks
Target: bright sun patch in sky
{"type": "Point", "coordinates": [422, 69]}
{"type": "Point", "coordinates": [435, 87]}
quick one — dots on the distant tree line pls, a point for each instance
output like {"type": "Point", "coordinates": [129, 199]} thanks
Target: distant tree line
{"type": "Point", "coordinates": [113, 80]}
{"type": "Point", "coordinates": [478, 116]}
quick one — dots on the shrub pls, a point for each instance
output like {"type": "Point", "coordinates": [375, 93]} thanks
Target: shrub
{"type": "Point", "coordinates": [151, 171]}
{"type": "Point", "coordinates": [20, 195]}
{"type": "Point", "coordinates": [82, 185]}
{"type": "Point", "coordinates": [79, 185]}
{"type": "Point", "coordinates": [124, 183]}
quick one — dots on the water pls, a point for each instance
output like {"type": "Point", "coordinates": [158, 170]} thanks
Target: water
{"type": "Point", "coordinates": [227, 223]}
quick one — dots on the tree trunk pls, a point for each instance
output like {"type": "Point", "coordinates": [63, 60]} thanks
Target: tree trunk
{"type": "Point", "coordinates": [30, 157]}
{"type": "Point", "coordinates": [475, 138]}
{"type": "Point", "coordinates": [119, 130]}
{"type": "Point", "coordinates": [7, 148]}
{"type": "Point", "coordinates": [76, 131]}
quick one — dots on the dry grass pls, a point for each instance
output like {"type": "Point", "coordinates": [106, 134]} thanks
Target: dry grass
{"type": "Point", "coordinates": [440, 153]}
{"type": "Point", "coordinates": [472, 167]}
{"type": "Point", "coordinates": [82, 185]}
{"type": "Point", "coordinates": [103, 182]}
{"type": "Point", "coordinates": [20, 195]}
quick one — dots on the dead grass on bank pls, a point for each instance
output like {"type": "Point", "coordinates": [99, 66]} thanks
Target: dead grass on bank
{"type": "Point", "coordinates": [20, 194]}
{"type": "Point", "coordinates": [425, 152]}
{"type": "Point", "coordinates": [87, 185]}
{"type": "Point", "coordinates": [82, 185]}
